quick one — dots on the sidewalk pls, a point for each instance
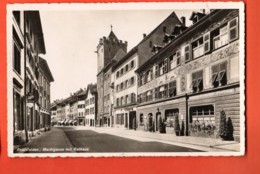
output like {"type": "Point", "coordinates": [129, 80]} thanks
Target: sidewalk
{"type": "Point", "coordinates": [200, 143]}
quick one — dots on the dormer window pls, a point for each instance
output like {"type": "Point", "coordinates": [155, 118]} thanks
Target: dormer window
{"type": "Point", "coordinates": [196, 16]}
{"type": "Point", "coordinates": [168, 38]}
{"type": "Point", "coordinates": [156, 49]}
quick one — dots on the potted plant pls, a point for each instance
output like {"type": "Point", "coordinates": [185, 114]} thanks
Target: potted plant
{"type": "Point", "coordinates": [177, 125]}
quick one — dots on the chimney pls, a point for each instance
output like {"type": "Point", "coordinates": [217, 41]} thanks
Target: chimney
{"type": "Point", "coordinates": [144, 35]}
{"type": "Point", "coordinates": [203, 11]}
{"type": "Point", "coordinates": [183, 21]}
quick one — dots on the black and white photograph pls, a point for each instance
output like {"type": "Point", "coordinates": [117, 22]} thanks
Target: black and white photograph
{"type": "Point", "coordinates": [126, 79]}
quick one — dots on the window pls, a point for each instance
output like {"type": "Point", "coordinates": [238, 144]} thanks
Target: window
{"type": "Point", "coordinates": [132, 64]}
{"type": "Point", "coordinates": [149, 75]}
{"type": "Point", "coordinates": [220, 37]}
{"type": "Point", "coordinates": [202, 113]}
{"type": "Point", "coordinates": [126, 84]}
{"type": "Point", "coordinates": [149, 95]}
{"type": "Point", "coordinates": [16, 58]}
{"type": "Point", "coordinates": [187, 52]}
{"type": "Point", "coordinates": [108, 97]}
{"type": "Point", "coordinates": [161, 91]}
{"type": "Point", "coordinates": [172, 89]}
{"type": "Point", "coordinates": [197, 81]}
{"type": "Point", "coordinates": [132, 98]}
{"type": "Point", "coordinates": [157, 72]}
{"type": "Point", "coordinates": [122, 86]}
{"type": "Point", "coordinates": [198, 48]}
{"type": "Point", "coordinates": [17, 16]}
{"type": "Point", "coordinates": [117, 102]}
{"type": "Point", "coordinates": [126, 68]}
{"type": "Point", "coordinates": [233, 29]}
{"type": "Point", "coordinates": [219, 74]}
{"type": "Point", "coordinates": [122, 71]}
{"type": "Point", "coordinates": [132, 80]}
{"type": "Point", "coordinates": [174, 60]}
{"type": "Point", "coordinates": [117, 88]}
{"type": "Point", "coordinates": [117, 74]}
{"type": "Point", "coordinates": [126, 99]}
{"type": "Point", "coordinates": [122, 101]}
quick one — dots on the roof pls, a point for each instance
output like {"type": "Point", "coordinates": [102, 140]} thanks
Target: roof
{"type": "Point", "coordinates": [124, 58]}
{"type": "Point", "coordinates": [112, 36]}
{"type": "Point", "coordinates": [45, 68]}
{"type": "Point", "coordinates": [92, 88]}
{"type": "Point", "coordinates": [34, 17]}
{"type": "Point", "coordinates": [176, 41]}
{"type": "Point", "coordinates": [199, 14]}
{"type": "Point", "coordinates": [120, 54]}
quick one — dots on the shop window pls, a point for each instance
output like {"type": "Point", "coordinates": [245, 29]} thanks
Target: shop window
{"type": "Point", "coordinates": [172, 89]}
{"type": "Point", "coordinates": [219, 74]}
{"type": "Point", "coordinates": [202, 113]}
{"type": "Point", "coordinates": [170, 115]}
{"type": "Point", "coordinates": [197, 81]}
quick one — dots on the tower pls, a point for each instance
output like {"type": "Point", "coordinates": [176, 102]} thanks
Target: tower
{"type": "Point", "coordinates": [106, 51]}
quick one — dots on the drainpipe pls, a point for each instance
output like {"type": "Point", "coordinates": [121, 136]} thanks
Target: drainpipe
{"type": "Point", "coordinates": [25, 97]}
{"type": "Point", "coordinates": [187, 114]}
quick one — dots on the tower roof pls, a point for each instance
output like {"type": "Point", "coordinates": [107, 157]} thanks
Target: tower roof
{"type": "Point", "coordinates": [112, 36]}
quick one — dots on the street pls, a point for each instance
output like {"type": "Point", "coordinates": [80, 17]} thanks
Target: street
{"type": "Point", "coordinates": [71, 140]}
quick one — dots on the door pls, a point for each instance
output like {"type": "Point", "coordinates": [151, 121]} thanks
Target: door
{"type": "Point", "coordinates": [132, 116]}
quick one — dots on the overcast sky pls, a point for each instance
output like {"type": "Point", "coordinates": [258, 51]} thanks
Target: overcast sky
{"type": "Point", "coordinates": [71, 37]}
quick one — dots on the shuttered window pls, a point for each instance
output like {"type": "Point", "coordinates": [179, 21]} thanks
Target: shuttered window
{"type": "Point", "coordinates": [187, 52]}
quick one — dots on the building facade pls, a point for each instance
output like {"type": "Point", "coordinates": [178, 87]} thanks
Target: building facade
{"type": "Point", "coordinates": [91, 105]}
{"type": "Point", "coordinates": [108, 50]}
{"type": "Point", "coordinates": [27, 45]}
{"type": "Point", "coordinates": [125, 90]}
{"type": "Point", "coordinates": [194, 76]}
{"type": "Point", "coordinates": [45, 79]}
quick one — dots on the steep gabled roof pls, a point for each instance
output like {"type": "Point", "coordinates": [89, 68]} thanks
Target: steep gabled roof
{"type": "Point", "coordinates": [112, 36]}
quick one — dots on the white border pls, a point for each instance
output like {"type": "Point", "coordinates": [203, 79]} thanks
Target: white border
{"type": "Point", "coordinates": [129, 6]}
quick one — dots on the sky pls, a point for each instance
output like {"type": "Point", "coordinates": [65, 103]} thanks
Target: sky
{"type": "Point", "coordinates": [71, 39]}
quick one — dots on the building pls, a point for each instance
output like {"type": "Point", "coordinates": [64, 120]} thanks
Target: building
{"type": "Point", "coordinates": [91, 105]}
{"type": "Point", "coordinates": [45, 79]}
{"type": "Point", "coordinates": [108, 51]}
{"type": "Point", "coordinates": [194, 75]}
{"type": "Point", "coordinates": [18, 77]}
{"type": "Point", "coordinates": [125, 78]}
{"type": "Point", "coordinates": [125, 90]}
{"type": "Point", "coordinates": [28, 44]}
{"type": "Point", "coordinates": [81, 107]}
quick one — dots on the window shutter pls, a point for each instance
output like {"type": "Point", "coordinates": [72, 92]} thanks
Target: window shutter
{"type": "Point", "coordinates": [151, 73]}
{"type": "Point", "coordinates": [156, 70]}
{"type": "Point", "coordinates": [178, 55]}
{"type": "Point", "coordinates": [166, 65]}
{"type": "Point", "coordinates": [187, 51]}
{"type": "Point", "coordinates": [207, 42]}
{"type": "Point", "coordinates": [233, 29]}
